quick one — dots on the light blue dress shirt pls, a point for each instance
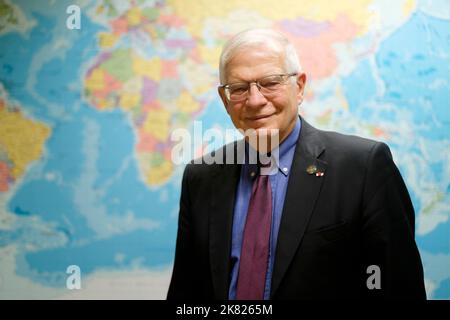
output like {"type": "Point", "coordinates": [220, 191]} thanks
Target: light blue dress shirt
{"type": "Point", "coordinates": [278, 182]}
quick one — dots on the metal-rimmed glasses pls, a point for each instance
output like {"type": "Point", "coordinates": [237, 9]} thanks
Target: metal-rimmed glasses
{"type": "Point", "coordinates": [267, 85]}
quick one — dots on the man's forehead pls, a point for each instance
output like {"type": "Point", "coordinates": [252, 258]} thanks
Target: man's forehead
{"type": "Point", "coordinates": [247, 65]}
{"type": "Point", "coordinates": [258, 49]}
{"type": "Point", "coordinates": [250, 74]}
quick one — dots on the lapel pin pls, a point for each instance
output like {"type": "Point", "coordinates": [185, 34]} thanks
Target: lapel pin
{"type": "Point", "coordinates": [319, 174]}
{"type": "Point", "coordinates": [311, 169]}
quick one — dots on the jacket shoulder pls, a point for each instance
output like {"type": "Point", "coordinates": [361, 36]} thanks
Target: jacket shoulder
{"type": "Point", "coordinates": [353, 154]}
{"type": "Point", "coordinates": [351, 147]}
{"type": "Point", "coordinates": [358, 156]}
{"type": "Point", "coordinates": [347, 143]}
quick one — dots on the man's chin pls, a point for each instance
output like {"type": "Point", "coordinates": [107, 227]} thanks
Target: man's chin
{"type": "Point", "coordinates": [265, 122]}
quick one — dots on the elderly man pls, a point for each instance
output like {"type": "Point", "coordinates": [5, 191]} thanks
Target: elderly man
{"type": "Point", "coordinates": [329, 218]}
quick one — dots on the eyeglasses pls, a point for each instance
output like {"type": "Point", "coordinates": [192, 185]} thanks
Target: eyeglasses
{"type": "Point", "coordinates": [267, 86]}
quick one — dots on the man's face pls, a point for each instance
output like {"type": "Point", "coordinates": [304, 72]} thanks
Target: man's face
{"type": "Point", "coordinates": [280, 110]}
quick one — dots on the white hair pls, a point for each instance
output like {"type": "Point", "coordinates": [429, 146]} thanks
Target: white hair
{"type": "Point", "coordinates": [259, 37]}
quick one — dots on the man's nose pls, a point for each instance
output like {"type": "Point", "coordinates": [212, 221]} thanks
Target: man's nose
{"type": "Point", "coordinates": [255, 97]}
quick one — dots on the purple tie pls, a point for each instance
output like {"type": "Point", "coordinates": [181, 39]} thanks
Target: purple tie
{"type": "Point", "coordinates": [255, 244]}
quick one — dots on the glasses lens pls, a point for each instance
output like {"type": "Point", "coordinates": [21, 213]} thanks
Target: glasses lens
{"type": "Point", "coordinates": [237, 91]}
{"type": "Point", "coordinates": [271, 83]}
{"type": "Point", "coordinates": [267, 85]}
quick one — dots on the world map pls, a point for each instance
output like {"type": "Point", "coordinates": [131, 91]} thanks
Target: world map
{"type": "Point", "coordinates": [87, 114]}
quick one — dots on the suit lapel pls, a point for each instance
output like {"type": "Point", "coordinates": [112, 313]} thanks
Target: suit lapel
{"type": "Point", "coordinates": [302, 192]}
{"type": "Point", "coordinates": [223, 190]}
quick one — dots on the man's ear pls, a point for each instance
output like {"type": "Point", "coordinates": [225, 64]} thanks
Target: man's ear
{"type": "Point", "coordinates": [301, 81]}
{"type": "Point", "coordinates": [223, 97]}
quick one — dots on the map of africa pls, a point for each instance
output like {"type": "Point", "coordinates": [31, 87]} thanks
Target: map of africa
{"type": "Point", "coordinates": [86, 116]}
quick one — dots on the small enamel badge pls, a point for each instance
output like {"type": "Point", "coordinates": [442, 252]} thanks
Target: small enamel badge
{"type": "Point", "coordinates": [311, 169]}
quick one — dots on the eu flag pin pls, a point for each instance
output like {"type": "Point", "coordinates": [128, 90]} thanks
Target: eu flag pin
{"type": "Point", "coordinates": [311, 169]}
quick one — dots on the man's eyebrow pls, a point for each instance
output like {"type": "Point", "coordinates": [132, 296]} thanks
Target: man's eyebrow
{"type": "Point", "coordinates": [236, 79]}
{"type": "Point", "coordinates": [240, 80]}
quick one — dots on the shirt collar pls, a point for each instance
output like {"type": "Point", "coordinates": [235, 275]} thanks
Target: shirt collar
{"type": "Point", "coordinates": [286, 148]}
{"type": "Point", "coordinates": [283, 161]}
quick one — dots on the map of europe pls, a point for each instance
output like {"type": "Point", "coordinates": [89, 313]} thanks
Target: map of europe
{"type": "Point", "coordinates": [86, 117]}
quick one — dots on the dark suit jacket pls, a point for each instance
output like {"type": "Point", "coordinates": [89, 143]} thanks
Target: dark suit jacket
{"type": "Point", "coordinates": [333, 227]}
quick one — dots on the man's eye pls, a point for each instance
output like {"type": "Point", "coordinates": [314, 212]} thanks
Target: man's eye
{"type": "Point", "coordinates": [270, 83]}
{"type": "Point", "coordinates": [238, 89]}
